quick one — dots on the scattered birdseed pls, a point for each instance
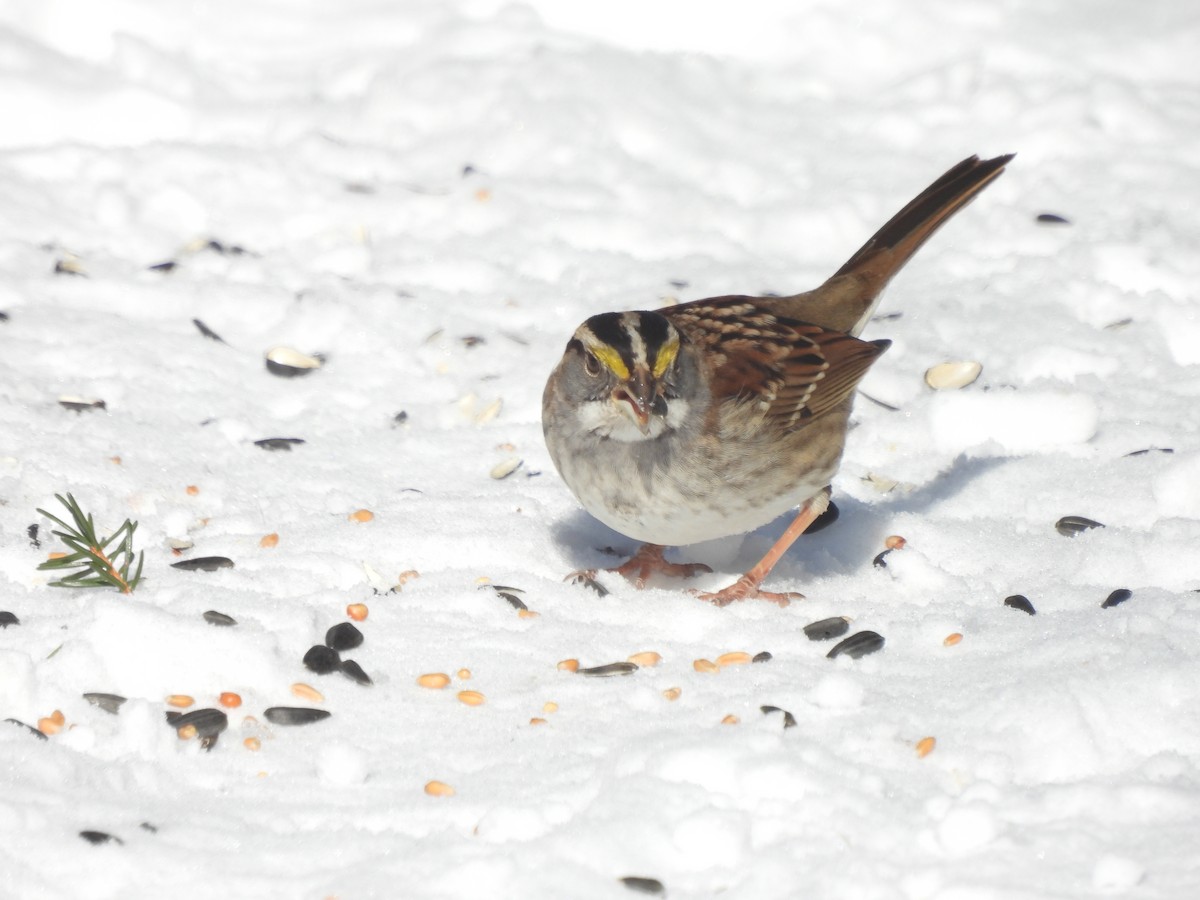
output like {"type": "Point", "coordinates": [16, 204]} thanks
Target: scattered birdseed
{"type": "Point", "coordinates": [568, 665]}
{"type": "Point", "coordinates": [471, 698]}
{"type": "Point", "coordinates": [204, 329]}
{"type": "Point", "coordinates": [433, 680]}
{"type": "Point", "coordinates": [203, 564]}
{"type": "Point", "coordinates": [880, 560]}
{"type": "Point", "coordinates": [950, 376]}
{"type": "Point", "coordinates": [269, 540]}
{"type": "Point", "coordinates": [100, 837]}
{"type": "Point", "coordinates": [180, 701]}
{"type": "Point", "coordinates": [279, 443]}
{"type": "Point", "coordinates": [1069, 526]}
{"type": "Point", "coordinates": [1051, 219]}
{"type": "Point", "coordinates": [288, 363]}
{"type": "Point", "coordinates": [50, 724]}
{"type": "Point", "coordinates": [28, 728]}
{"type": "Point", "coordinates": [294, 715]}
{"type": "Point", "coordinates": [762, 657]}
{"type": "Point", "coordinates": [192, 490]}
{"type": "Point", "coordinates": [827, 629]}
{"type": "Point", "coordinates": [537, 721]}
{"type": "Point", "coordinates": [343, 636]}
{"type": "Point", "coordinates": [705, 665]}
{"type": "Point", "coordinates": [465, 674]}
{"type": "Point", "coordinates": [110, 703]}
{"type": "Point", "coordinates": [731, 719]}
{"type": "Point", "coordinates": [672, 693]}
{"type": "Point", "coordinates": [894, 542]}
{"type": "Point", "coordinates": [734, 658]}
{"type": "Point", "coordinates": [789, 721]}
{"type": "Point", "coordinates": [361, 515]}
{"type": "Point", "coordinates": [647, 659]}
{"type": "Point", "coordinates": [506, 467]}
{"type": "Point", "coordinates": [357, 611]}
{"type": "Point", "coordinates": [206, 723]}
{"type": "Point", "coordinates": [549, 707]}
{"type": "Point", "coordinates": [509, 594]}
{"type": "Point", "coordinates": [1116, 598]}
{"type": "Point", "coordinates": [585, 580]}
{"type": "Point", "coordinates": [307, 692]}
{"type": "Point", "coordinates": [212, 617]}
{"type": "Point", "coordinates": [1151, 450]}
{"type": "Point", "coordinates": [230, 700]}
{"type": "Point", "coordinates": [252, 743]}
{"type": "Point", "coordinates": [322, 659]}
{"type": "Point", "coordinates": [952, 639]}
{"type": "Point", "coordinates": [354, 671]}
{"type": "Point", "coordinates": [610, 669]}
{"type": "Point", "coordinates": [857, 645]}
{"type": "Point", "coordinates": [7, 618]}
{"type": "Point", "coordinates": [1021, 602]}
{"type": "Point", "coordinates": [925, 746]}
{"type": "Point", "coordinates": [643, 885]}
{"type": "Point", "coordinates": [438, 789]}
{"type": "Point", "coordinates": [81, 404]}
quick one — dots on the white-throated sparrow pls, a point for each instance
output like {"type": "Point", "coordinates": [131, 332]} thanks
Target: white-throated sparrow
{"type": "Point", "coordinates": [714, 417]}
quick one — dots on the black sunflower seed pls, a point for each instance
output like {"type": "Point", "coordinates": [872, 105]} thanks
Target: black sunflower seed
{"type": "Point", "coordinates": [32, 531]}
{"type": "Point", "coordinates": [606, 671]}
{"type": "Point", "coordinates": [1069, 526]}
{"type": "Point", "coordinates": [100, 837]}
{"type": "Point", "coordinates": [1116, 598]}
{"type": "Point", "coordinates": [764, 656]}
{"type": "Point", "coordinates": [1021, 602]}
{"type": "Point", "coordinates": [880, 560]}
{"type": "Point", "coordinates": [353, 670]}
{"type": "Point", "coordinates": [321, 659]}
{"type": "Point", "coordinates": [343, 636]}
{"type": "Point", "coordinates": [825, 519]}
{"type": "Point", "coordinates": [1052, 219]}
{"type": "Point", "coordinates": [204, 564]}
{"type": "Point", "coordinates": [207, 722]}
{"type": "Point", "coordinates": [1151, 450]}
{"type": "Point", "coordinates": [110, 703]}
{"type": "Point", "coordinates": [508, 593]}
{"type": "Point", "coordinates": [212, 617]}
{"type": "Point", "coordinates": [7, 618]}
{"type": "Point", "coordinates": [168, 265]}
{"type": "Point", "coordinates": [146, 826]}
{"type": "Point", "coordinates": [37, 734]}
{"type": "Point", "coordinates": [208, 332]}
{"type": "Point", "coordinates": [588, 581]}
{"type": "Point", "coordinates": [279, 443]}
{"type": "Point", "coordinates": [643, 885]}
{"type": "Point", "coordinates": [827, 629]}
{"type": "Point", "coordinates": [857, 645]}
{"type": "Point", "coordinates": [789, 721]}
{"type": "Point", "coordinates": [82, 405]}
{"type": "Point", "coordinates": [294, 715]}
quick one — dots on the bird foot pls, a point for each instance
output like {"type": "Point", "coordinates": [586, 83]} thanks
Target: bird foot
{"type": "Point", "coordinates": [638, 568]}
{"type": "Point", "coordinates": [746, 588]}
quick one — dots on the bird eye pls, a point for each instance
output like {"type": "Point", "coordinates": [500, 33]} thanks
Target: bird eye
{"type": "Point", "coordinates": [591, 365]}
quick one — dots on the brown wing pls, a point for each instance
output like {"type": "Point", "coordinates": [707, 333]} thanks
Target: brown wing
{"type": "Point", "coordinates": [795, 371]}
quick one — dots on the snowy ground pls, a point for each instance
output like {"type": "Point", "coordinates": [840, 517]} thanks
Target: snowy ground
{"type": "Point", "coordinates": [433, 194]}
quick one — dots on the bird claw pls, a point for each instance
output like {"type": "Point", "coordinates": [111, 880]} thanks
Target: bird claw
{"type": "Point", "coordinates": [745, 589]}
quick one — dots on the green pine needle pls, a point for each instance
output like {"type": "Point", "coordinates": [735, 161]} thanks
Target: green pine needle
{"type": "Point", "coordinates": [98, 567]}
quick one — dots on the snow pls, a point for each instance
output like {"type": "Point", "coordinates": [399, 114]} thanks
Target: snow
{"type": "Point", "coordinates": [386, 180]}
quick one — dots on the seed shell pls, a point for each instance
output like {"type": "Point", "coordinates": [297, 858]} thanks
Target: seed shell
{"type": "Point", "coordinates": [789, 721]}
{"type": "Point", "coordinates": [294, 715]}
{"type": "Point", "coordinates": [110, 703]}
{"type": "Point", "coordinates": [343, 636]}
{"type": "Point", "coordinates": [212, 617]}
{"type": "Point", "coordinates": [1021, 602]}
{"type": "Point", "coordinates": [857, 645]}
{"type": "Point", "coordinates": [643, 885]}
{"type": "Point", "coordinates": [1116, 598]}
{"type": "Point", "coordinates": [29, 728]}
{"type": "Point", "coordinates": [289, 363]}
{"type": "Point", "coordinates": [609, 669]}
{"type": "Point", "coordinates": [100, 837]}
{"type": "Point", "coordinates": [7, 618]}
{"type": "Point", "coordinates": [204, 564]}
{"type": "Point", "coordinates": [1069, 526]}
{"type": "Point", "coordinates": [827, 629]}
{"type": "Point", "coordinates": [279, 443]}
{"type": "Point", "coordinates": [762, 657]}
{"type": "Point", "coordinates": [950, 376]}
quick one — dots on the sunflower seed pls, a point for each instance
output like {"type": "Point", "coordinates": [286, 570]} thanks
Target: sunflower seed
{"type": "Point", "coordinates": [1116, 598]}
{"type": "Point", "coordinates": [825, 519]}
{"type": "Point", "coordinates": [208, 723]}
{"type": "Point", "coordinates": [204, 564]}
{"type": "Point", "coordinates": [208, 332]}
{"type": "Point", "coordinates": [827, 629]}
{"type": "Point", "coordinates": [354, 671]}
{"type": "Point", "coordinates": [212, 617]}
{"type": "Point", "coordinates": [762, 657]}
{"type": "Point", "coordinates": [1052, 219]}
{"type": "Point", "coordinates": [32, 531]}
{"type": "Point", "coordinates": [279, 443]}
{"type": "Point", "coordinates": [643, 885]}
{"type": "Point", "coordinates": [605, 671]}
{"type": "Point", "coordinates": [503, 469]}
{"type": "Point", "coordinates": [294, 715]}
{"type": "Point", "coordinates": [1021, 602]}
{"type": "Point", "coordinates": [1151, 450]}
{"type": "Point", "coordinates": [587, 581]}
{"type": "Point", "coordinates": [343, 636]}
{"type": "Point", "coordinates": [1069, 526]}
{"type": "Point", "coordinates": [37, 734]}
{"type": "Point", "coordinates": [857, 645]}
{"type": "Point", "coordinates": [289, 363]}
{"type": "Point", "coordinates": [166, 266]}
{"type": "Point", "coordinates": [110, 703]}
{"type": "Point", "coordinates": [789, 721]}
{"type": "Point", "coordinates": [80, 404]}
{"type": "Point", "coordinates": [880, 560]}
{"type": "Point", "coordinates": [322, 660]}
{"type": "Point", "coordinates": [7, 618]}
{"type": "Point", "coordinates": [100, 837]}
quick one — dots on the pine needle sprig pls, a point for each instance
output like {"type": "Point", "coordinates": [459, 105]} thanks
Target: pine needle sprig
{"type": "Point", "coordinates": [98, 566]}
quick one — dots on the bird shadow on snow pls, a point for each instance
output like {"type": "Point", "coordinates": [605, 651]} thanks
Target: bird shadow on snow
{"type": "Point", "coordinates": [845, 546]}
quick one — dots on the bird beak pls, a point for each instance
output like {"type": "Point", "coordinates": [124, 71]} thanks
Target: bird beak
{"type": "Point", "coordinates": [639, 399]}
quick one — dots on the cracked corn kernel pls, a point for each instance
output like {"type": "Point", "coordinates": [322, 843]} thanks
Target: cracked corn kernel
{"type": "Point", "coordinates": [252, 743]}
{"type": "Point", "coordinates": [672, 693]}
{"type": "Point", "coordinates": [569, 665]}
{"type": "Point", "coordinates": [730, 719]}
{"type": "Point", "coordinates": [357, 611]}
{"type": "Point", "coordinates": [550, 707]}
{"type": "Point", "coordinates": [230, 699]}
{"type": "Point", "coordinates": [438, 789]}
